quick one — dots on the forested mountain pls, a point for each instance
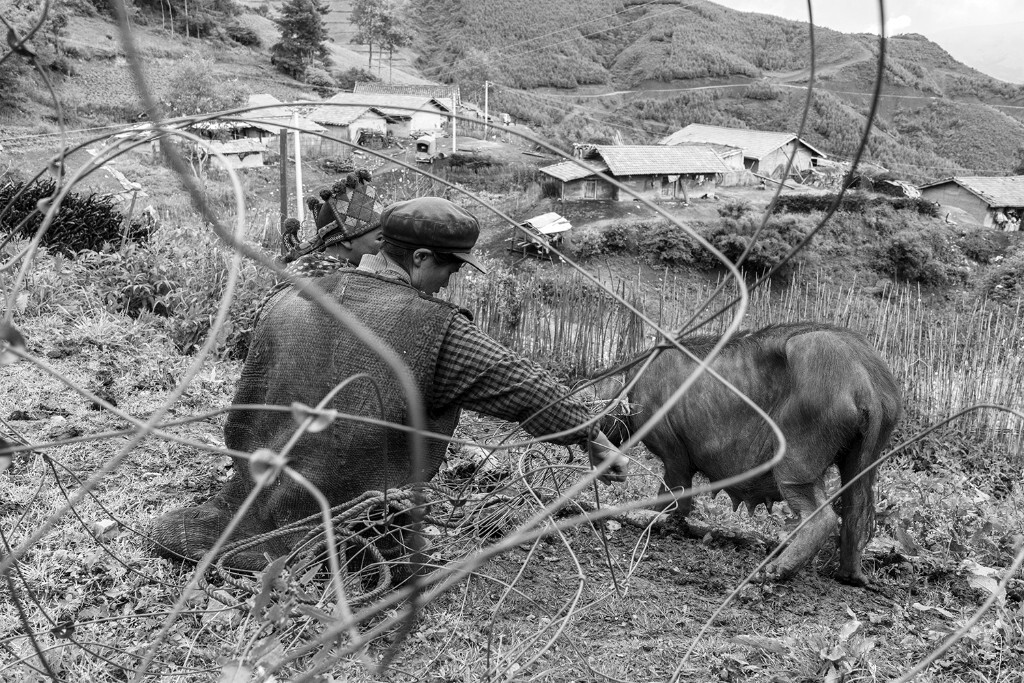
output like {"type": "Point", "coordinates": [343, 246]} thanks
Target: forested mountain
{"type": "Point", "coordinates": [558, 64]}
{"type": "Point", "coordinates": [573, 70]}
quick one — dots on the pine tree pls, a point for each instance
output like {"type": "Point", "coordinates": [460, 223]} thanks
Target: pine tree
{"type": "Point", "coordinates": [302, 37]}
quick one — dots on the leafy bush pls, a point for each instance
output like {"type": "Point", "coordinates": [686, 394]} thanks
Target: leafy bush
{"type": "Point", "coordinates": [855, 202]}
{"type": "Point", "coordinates": [81, 223]}
{"type": "Point", "coordinates": [665, 243]}
{"type": "Point", "coordinates": [179, 279]}
{"type": "Point", "coordinates": [243, 35]}
{"type": "Point", "coordinates": [1006, 283]}
{"type": "Point", "coordinates": [618, 239]}
{"type": "Point", "coordinates": [586, 244]}
{"type": "Point", "coordinates": [473, 162]}
{"type": "Point", "coordinates": [735, 209]}
{"type": "Point", "coordinates": [348, 78]}
{"type": "Point", "coordinates": [912, 256]}
{"type": "Point", "coordinates": [321, 81]}
{"type": "Point", "coordinates": [762, 91]}
{"type": "Point", "coordinates": [979, 248]}
{"type": "Point", "coordinates": [773, 243]}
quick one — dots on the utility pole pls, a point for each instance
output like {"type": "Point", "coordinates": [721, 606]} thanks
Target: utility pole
{"type": "Point", "coordinates": [455, 107]}
{"type": "Point", "coordinates": [487, 128]}
{"type": "Point", "coordinates": [283, 136]}
{"type": "Point", "coordinates": [299, 199]}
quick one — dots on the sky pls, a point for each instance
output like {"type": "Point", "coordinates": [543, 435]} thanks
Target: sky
{"type": "Point", "coordinates": [926, 17]}
{"type": "Point", "coordinates": [985, 34]}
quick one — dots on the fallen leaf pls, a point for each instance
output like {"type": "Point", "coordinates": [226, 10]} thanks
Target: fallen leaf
{"type": "Point", "coordinates": [907, 542]}
{"type": "Point", "coordinates": [990, 586]}
{"type": "Point", "coordinates": [925, 608]}
{"type": "Point", "coordinates": [105, 529]}
{"type": "Point", "coordinates": [772, 645]}
{"type": "Point", "coordinates": [235, 672]}
{"type": "Point", "coordinates": [861, 646]}
{"type": "Point", "coordinates": [849, 628]}
{"type": "Point", "coordinates": [833, 654]}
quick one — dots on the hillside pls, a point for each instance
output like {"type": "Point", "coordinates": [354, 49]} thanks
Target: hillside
{"type": "Point", "coordinates": [642, 69]}
{"type": "Point", "coordinates": [579, 71]}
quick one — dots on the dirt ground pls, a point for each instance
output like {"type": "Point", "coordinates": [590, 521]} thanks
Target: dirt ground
{"type": "Point", "coordinates": [597, 602]}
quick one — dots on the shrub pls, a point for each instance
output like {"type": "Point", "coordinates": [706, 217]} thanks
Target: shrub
{"type": "Point", "coordinates": [348, 78]}
{"type": "Point", "coordinates": [773, 243]}
{"type": "Point", "coordinates": [586, 244]}
{"type": "Point", "coordinates": [243, 35]}
{"type": "Point", "coordinates": [666, 243]}
{"type": "Point", "coordinates": [472, 162]}
{"type": "Point", "coordinates": [321, 81]}
{"type": "Point", "coordinates": [1006, 283]}
{"type": "Point", "coordinates": [179, 279]}
{"type": "Point", "coordinates": [619, 238]}
{"type": "Point", "coordinates": [336, 165]}
{"type": "Point", "coordinates": [853, 202]}
{"type": "Point", "coordinates": [912, 257]}
{"type": "Point", "coordinates": [81, 223]}
{"type": "Point", "coordinates": [979, 248]}
{"type": "Point", "coordinates": [735, 209]}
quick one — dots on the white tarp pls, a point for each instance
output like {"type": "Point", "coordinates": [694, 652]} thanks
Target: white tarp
{"type": "Point", "coordinates": [548, 223]}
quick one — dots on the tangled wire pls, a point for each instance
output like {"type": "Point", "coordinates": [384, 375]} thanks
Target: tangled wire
{"type": "Point", "coordinates": [360, 575]}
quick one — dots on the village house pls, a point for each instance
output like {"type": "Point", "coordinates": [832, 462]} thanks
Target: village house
{"type": "Point", "coordinates": [448, 95]}
{"type": "Point", "coordinates": [265, 125]}
{"type": "Point", "coordinates": [403, 114]}
{"type": "Point", "coordinates": [652, 171]}
{"type": "Point", "coordinates": [764, 152]}
{"type": "Point", "coordinates": [992, 201]}
{"type": "Point", "coordinates": [346, 122]}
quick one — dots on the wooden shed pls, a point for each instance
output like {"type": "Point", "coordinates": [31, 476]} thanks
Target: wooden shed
{"type": "Point", "coordinates": [651, 171]}
{"type": "Point", "coordinates": [764, 152]}
{"type": "Point", "coordinates": [992, 201]}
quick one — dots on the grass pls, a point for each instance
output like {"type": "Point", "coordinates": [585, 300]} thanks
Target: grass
{"type": "Point", "coordinates": [587, 600]}
{"type": "Point", "coordinates": [97, 602]}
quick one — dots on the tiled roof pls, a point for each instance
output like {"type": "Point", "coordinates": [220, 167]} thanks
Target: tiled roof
{"type": "Point", "coordinates": [568, 170]}
{"type": "Point", "coordinates": [342, 115]}
{"type": "Point", "coordinates": [658, 159]}
{"type": "Point", "coordinates": [389, 105]}
{"type": "Point", "coordinates": [996, 191]}
{"type": "Point", "coordinates": [270, 112]}
{"type": "Point", "coordinates": [754, 143]}
{"type": "Point", "coordinates": [435, 90]}
{"type": "Point", "coordinates": [272, 119]}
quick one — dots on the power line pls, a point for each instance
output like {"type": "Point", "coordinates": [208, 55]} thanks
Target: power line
{"type": "Point", "coordinates": [605, 30]}
{"type": "Point", "coordinates": [584, 23]}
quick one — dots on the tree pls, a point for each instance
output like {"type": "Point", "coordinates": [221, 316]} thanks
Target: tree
{"type": "Point", "coordinates": [396, 34]}
{"type": "Point", "coordinates": [303, 37]}
{"type": "Point", "coordinates": [193, 89]}
{"type": "Point", "coordinates": [370, 17]}
{"type": "Point", "coordinates": [380, 22]}
{"type": "Point", "coordinates": [1019, 168]}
